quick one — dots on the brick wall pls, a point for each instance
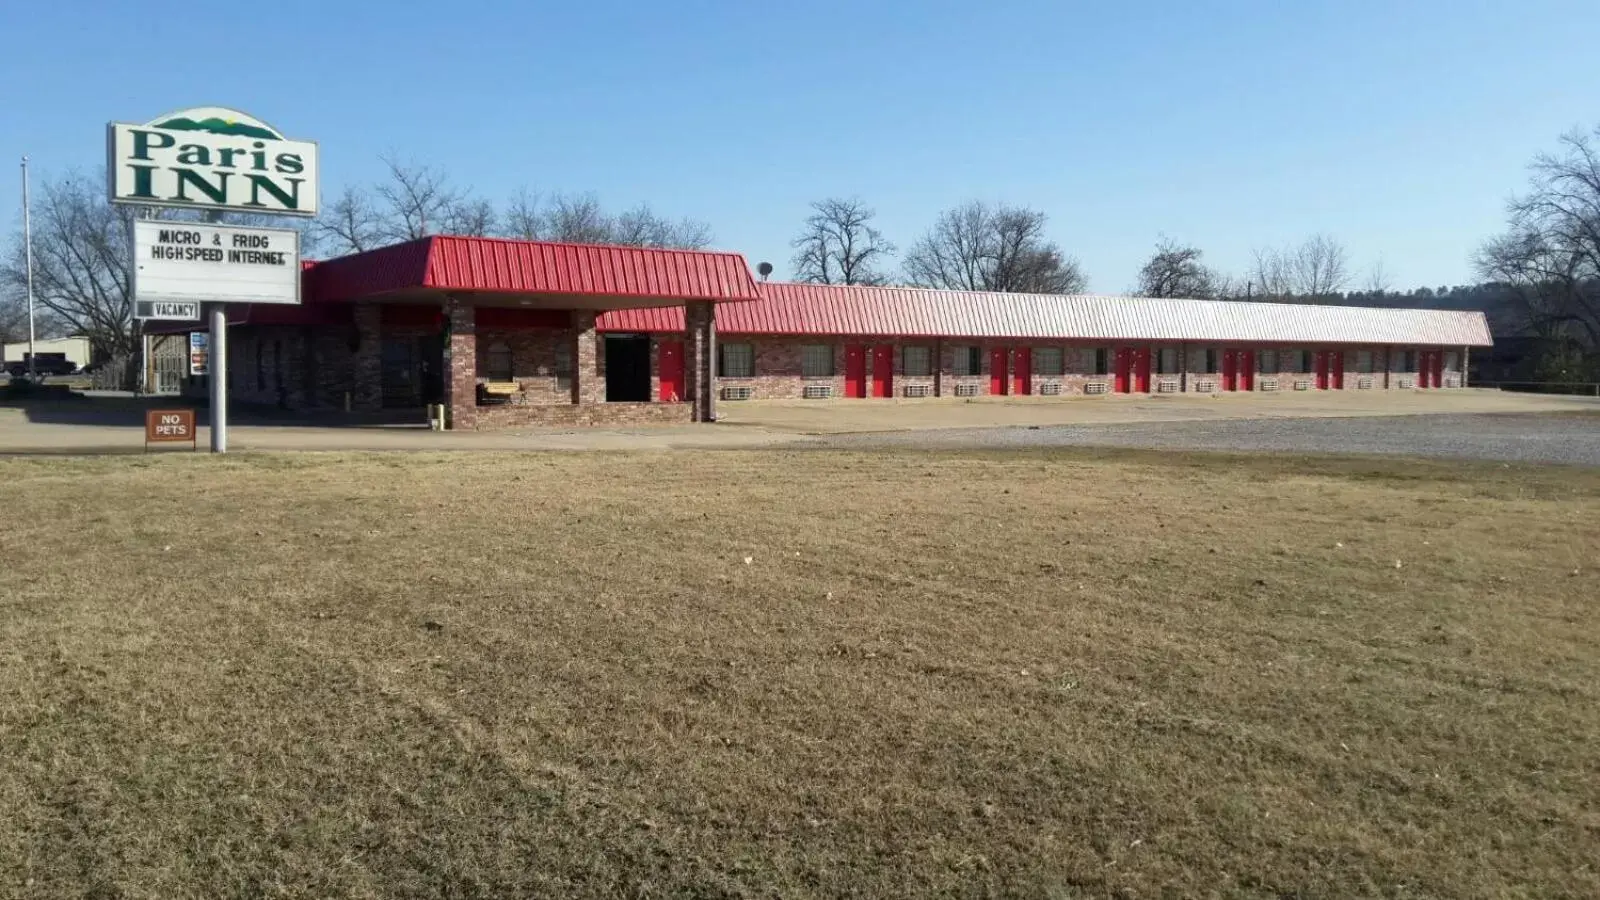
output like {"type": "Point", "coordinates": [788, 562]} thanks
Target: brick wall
{"type": "Point", "coordinates": [535, 415]}
{"type": "Point", "coordinates": [778, 369]}
{"type": "Point", "coordinates": [541, 363]}
{"type": "Point", "coordinates": [318, 367]}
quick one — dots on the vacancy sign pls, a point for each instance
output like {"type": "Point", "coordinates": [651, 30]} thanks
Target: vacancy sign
{"type": "Point", "coordinates": [189, 262]}
{"type": "Point", "coordinates": [188, 311]}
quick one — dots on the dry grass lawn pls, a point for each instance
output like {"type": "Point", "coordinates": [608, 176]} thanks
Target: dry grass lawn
{"type": "Point", "coordinates": [804, 674]}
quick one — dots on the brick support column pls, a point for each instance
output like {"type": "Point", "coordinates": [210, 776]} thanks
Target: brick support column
{"type": "Point", "coordinates": [699, 359]}
{"type": "Point", "coordinates": [588, 385]}
{"type": "Point", "coordinates": [461, 366]}
{"type": "Point", "coordinates": [367, 389]}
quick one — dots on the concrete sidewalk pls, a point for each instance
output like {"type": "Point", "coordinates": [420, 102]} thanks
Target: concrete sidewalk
{"type": "Point", "coordinates": [89, 427]}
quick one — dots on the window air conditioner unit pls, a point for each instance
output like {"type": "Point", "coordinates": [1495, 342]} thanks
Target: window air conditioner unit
{"type": "Point", "coordinates": [818, 391]}
{"type": "Point", "coordinates": [1094, 387]}
{"type": "Point", "coordinates": [1206, 387]}
{"type": "Point", "coordinates": [1167, 386]}
{"type": "Point", "coordinates": [1364, 383]}
{"type": "Point", "coordinates": [917, 390]}
{"type": "Point", "coordinates": [1268, 384]}
{"type": "Point", "coordinates": [1050, 389]}
{"type": "Point", "coordinates": [966, 390]}
{"type": "Point", "coordinates": [1302, 385]}
{"type": "Point", "coordinates": [737, 392]}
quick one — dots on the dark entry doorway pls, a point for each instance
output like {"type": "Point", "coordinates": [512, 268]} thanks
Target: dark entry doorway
{"type": "Point", "coordinates": [412, 371]}
{"type": "Point", "coordinates": [628, 368]}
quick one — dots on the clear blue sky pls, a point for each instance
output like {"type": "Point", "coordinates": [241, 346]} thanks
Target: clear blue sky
{"type": "Point", "coordinates": [1399, 127]}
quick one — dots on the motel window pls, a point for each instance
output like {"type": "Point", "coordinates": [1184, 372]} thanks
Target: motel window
{"type": "Point", "coordinates": [816, 361]}
{"type": "Point", "coordinates": [1308, 361]}
{"type": "Point", "coordinates": [1212, 367]}
{"type": "Point", "coordinates": [1102, 361]}
{"type": "Point", "coordinates": [1407, 361]}
{"type": "Point", "coordinates": [1450, 361]}
{"type": "Point", "coordinates": [1364, 361]}
{"type": "Point", "coordinates": [563, 367]}
{"type": "Point", "coordinates": [1167, 361]}
{"type": "Point", "coordinates": [1048, 361]}
{"type": "Point", "coordinates": [966, 361]}
{"type": "Point", "coordinates": [499, 362]}
{"type": "Point", "coordinates": [736, 361]}
{"type": "Point", "coordinates": [261, 366]}
{"type": "Point", "coordinates": [1267, 362]}
{"type": "Point", "coordinates": [916, 361]}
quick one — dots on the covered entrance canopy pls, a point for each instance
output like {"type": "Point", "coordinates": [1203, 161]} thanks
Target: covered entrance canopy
{"type": "Point", "coordinates": [491, 285]}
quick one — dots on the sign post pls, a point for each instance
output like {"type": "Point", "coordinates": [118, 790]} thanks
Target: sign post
{"type": "Point", "coordinates": [211, 159]}
{"type": "Point", "coordinates": [217, 370]}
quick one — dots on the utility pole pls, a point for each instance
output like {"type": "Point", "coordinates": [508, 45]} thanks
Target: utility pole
{"type": "Point", "coordinates": [27, 242]}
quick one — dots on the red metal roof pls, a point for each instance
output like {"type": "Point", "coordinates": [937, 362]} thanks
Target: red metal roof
{"type": "Point", "coordinates": [449, 263]}
{"type": "Point", "coordinates": [815, 309]}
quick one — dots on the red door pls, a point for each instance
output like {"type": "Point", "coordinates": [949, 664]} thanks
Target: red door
{"type": "Point", "coordinates": [883, 370]}
{"type": "Point", "coordinates": [855, 371]}
{"type": "Point", "coordinates": [1230, 370]}
{"type": "Point", "coordinates": [1438, 368]}
{"type": "Point", "coordinates": [1321, 363]}
{"type": "Point", "coordinates": [998, 370]}
{"type": "Point", "coordinates": [669, 369]}
{"type": "Point", "coordinates": [1338, 369]}
{"type": "Point", "coordinates": [1124, 370]}
{"type": "Point", "coordinates": [1141, 370]}
{"type": "Point", "coordinates": [1247, 370]}
{"type": "Point", "coordinates": [1424, 367]}
{"type": "Point", "coordinates": [1022, 377]}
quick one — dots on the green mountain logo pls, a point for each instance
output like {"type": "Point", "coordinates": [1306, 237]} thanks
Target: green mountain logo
{"type": "Point", "coordinates": [220, 126]}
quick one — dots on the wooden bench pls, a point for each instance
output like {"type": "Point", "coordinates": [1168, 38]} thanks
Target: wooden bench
{"type": "Point", "coordinates": [495, 393]}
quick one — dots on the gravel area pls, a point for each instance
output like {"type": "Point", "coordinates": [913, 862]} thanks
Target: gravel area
{"type": "Point", "coordinates": [1535, 438]}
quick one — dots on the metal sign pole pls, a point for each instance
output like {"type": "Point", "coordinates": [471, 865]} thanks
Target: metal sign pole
{"type": "Point", "coordinates": [27, 242]}
{"type": "Point", "coordinates": [217, 369]}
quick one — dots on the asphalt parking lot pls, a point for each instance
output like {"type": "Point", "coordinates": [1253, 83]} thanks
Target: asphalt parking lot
{"type": "Point", "coordinates": [1570, 438]}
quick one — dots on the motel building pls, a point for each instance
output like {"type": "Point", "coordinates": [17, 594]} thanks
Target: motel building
{"type": "Point", "coordinates": [508, 333]}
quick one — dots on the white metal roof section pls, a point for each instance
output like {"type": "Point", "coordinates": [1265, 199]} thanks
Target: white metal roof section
{"type": "Point", "coordinates": [916, 312]}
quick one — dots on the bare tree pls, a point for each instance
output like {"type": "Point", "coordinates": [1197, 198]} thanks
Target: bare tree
{"type": "Point", "coordinates": [413, 201]}
{"type": "Point", "coordinates": [1317, 269]}
{"type": "Point", "coordinates": [1177, 271]}
{"type": "Point", "coordinates": [577, 218]}
{"type": "Point", "coordinates": [349, 224]}
{"type": "Point", "coordinates": [641, 227]}
{"type": "Point", "coordinates": [1321, 267]}
{"type": "Point", "coordinates": [581, 219]}
{"type": "Point", "coordinates": [1550, 257]}
{"type": "Point", "coordinates": [839, 245]}
{"type": "Point", "coordinates": [417, 200]}
{"type": "Point", "coordinates": [473, 218]}
{"type": "Point", "coordinates": [1378, 281]}
{"type": "Point", "coordinates": [1271, 275]}
{"type": "Point", "coordinates": [82, 254]}
{"type": "Point", "coordinates": [13, 315]}
{"type": "Point", "coordinates": [976, 247]}
{"type": "Point", "coordinates": [523, 218]}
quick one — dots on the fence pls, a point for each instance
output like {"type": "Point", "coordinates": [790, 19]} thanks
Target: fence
{"type": "Point", "coordinates": [1587, 388]}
